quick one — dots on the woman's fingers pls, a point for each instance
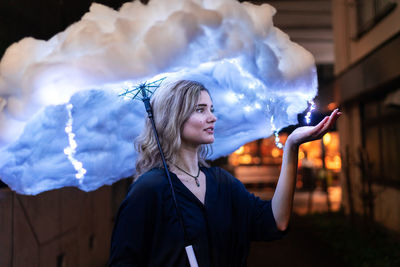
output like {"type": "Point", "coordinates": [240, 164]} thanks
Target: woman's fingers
{"type": "Point", "coordinates": [331, 121]}
{"type": "Point", "coordinates": [317, 128]}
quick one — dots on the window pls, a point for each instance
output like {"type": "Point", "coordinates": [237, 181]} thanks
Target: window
{"type": "Point", "coordinates": [381, 139]}
{"type": "Point", "coordinates": [371, 12]}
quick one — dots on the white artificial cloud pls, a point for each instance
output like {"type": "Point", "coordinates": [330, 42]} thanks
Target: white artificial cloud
{"type": "Point", "coordinates": [252, 70]}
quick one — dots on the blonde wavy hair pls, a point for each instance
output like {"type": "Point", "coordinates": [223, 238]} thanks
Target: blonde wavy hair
{"type": "Point", "coordinates": [172, 106]}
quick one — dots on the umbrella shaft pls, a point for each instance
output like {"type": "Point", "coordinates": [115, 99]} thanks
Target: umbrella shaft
{"type": "Point", "coordinates": [189, 249]}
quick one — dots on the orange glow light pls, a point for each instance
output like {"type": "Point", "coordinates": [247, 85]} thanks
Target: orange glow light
{"type": "Point", "coordinates": [332, 106]}
{"type": "Point", "coordinates": [301, 155]}
{"type": "Point", "coordinates": [275, 152]}
{"type": "Point", "coordinates": [239, 151]}
{"type": "Point", "coordinates": [245, 159]}
{"type": "Point", "coordinates": [327, 139]}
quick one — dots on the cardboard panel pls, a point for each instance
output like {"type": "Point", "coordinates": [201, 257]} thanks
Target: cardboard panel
{"type": "Point", "coordinates": [43, 212]}
{"type": "Point", "coordinates": [62, 251]}
{"type": "Point", "coordinates": [26, 245]}
{"type": "Point", "coordinates": [6, 205]}
{"type": "Point", "coordinates": [71, 205]}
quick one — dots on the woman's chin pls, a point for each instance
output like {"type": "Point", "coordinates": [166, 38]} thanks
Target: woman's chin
{"type": "Point", "coordinates": [210, 141]}
{"type": "Point", "coordinates": [207, 141]}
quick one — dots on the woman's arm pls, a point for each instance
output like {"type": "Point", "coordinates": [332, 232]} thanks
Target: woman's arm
{"type": "Point", "coordinates": [282, 201]}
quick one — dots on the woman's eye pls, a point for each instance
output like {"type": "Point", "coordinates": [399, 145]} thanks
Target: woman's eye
{"type": "Point", "coordinates": [199, 110]}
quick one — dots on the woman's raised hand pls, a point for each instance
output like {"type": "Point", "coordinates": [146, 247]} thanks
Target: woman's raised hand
{"type": "Point", "coordinates": [309, 133]}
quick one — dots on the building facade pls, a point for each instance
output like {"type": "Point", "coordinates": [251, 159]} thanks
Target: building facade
{"type": "Point", "coordinates": [367, 88]}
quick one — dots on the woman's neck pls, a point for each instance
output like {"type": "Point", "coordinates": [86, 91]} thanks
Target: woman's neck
{"type": "Point", "coordinates": [188, 159]}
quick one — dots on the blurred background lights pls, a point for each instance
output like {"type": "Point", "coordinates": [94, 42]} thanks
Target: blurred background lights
{"type": "Point", "coordinates": [239, 151]}
{"type": "Point", "coordinates": [327, 139]}
{"type": "Point", "coordinates": [275, 152]}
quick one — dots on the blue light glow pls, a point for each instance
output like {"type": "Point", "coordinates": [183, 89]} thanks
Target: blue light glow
{"type": "Point", "coordinates": [308, 116]}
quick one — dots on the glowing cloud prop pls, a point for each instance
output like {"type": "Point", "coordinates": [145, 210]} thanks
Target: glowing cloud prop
{"type": "Point", "coordinates": [63, 124]}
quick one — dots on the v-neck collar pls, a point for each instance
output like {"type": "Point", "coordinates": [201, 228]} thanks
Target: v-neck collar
{"type": "Point", "coordinates": [183, 187]}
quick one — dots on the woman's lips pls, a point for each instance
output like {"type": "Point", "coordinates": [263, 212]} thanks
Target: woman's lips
{"type": "Point", "coordinates": [209, 130]}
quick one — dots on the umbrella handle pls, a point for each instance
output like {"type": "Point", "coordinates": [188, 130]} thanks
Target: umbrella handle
{"type": "Point", "coordinates": [191, 256]}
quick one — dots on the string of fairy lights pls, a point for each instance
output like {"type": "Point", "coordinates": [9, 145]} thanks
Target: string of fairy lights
{"type": "Point", "coordinates": [276, 131]}
{"type": "Point", "coordinates": [71, 149]}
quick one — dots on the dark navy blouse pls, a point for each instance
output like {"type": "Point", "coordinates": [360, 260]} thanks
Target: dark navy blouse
{"type": "Point", "coordinates": [147, 231]}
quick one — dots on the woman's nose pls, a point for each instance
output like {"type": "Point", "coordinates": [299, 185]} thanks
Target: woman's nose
{"type": "Point", "coordinates": [212, 117]}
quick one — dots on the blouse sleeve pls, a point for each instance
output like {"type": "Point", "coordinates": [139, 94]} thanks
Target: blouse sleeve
{"type": "Point", "coordinates": [261, 224]}
{"type": "Point", "coordinates": [132, 234]}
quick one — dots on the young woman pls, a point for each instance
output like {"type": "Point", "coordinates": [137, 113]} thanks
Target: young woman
{"type": "Point", "coordinates": [220, 217]}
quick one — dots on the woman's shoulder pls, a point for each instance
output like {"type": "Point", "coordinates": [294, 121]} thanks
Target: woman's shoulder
{"type": "Point", "coordinates": [152, 177]}
{"type": "Point", "coordinates": [145, 193]}
{"type": "Point", "coordinates": [149, 182]}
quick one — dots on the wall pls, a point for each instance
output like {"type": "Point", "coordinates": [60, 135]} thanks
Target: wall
{"type": "Point", "coordinates": [386, 201]}
{"type": "Point", "coordinates": [348, 48]}
{"type": "Point", "coordinates": [366, 68]}
{"type": "Point", "coordinates": [65, 227]}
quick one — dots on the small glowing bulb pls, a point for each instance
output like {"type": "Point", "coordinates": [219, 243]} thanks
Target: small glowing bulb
{"type": "Point", "coordinates": [78, 165]}
{"type": "Point", "coordinates": [277, 139]}
{"type": "Point", "coordinates": [73, 144]}
{"type": "Point", "coordinates": [67, 151]}
{"type": "Point", "coordinates": [68, 129]}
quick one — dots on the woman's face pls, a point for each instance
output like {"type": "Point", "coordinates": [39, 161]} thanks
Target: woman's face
{"type": "Point", "coordinates": [199, 128]}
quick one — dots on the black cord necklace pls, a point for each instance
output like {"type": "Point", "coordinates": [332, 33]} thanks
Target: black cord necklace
{"type": "Point", "coordinates": [196, 178]}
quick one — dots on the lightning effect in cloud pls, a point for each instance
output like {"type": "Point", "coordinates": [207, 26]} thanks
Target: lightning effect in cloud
{"type": "Point", "coordinates": [259, 81]}
{"type": "Point", "coordinates": [71, 149]}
